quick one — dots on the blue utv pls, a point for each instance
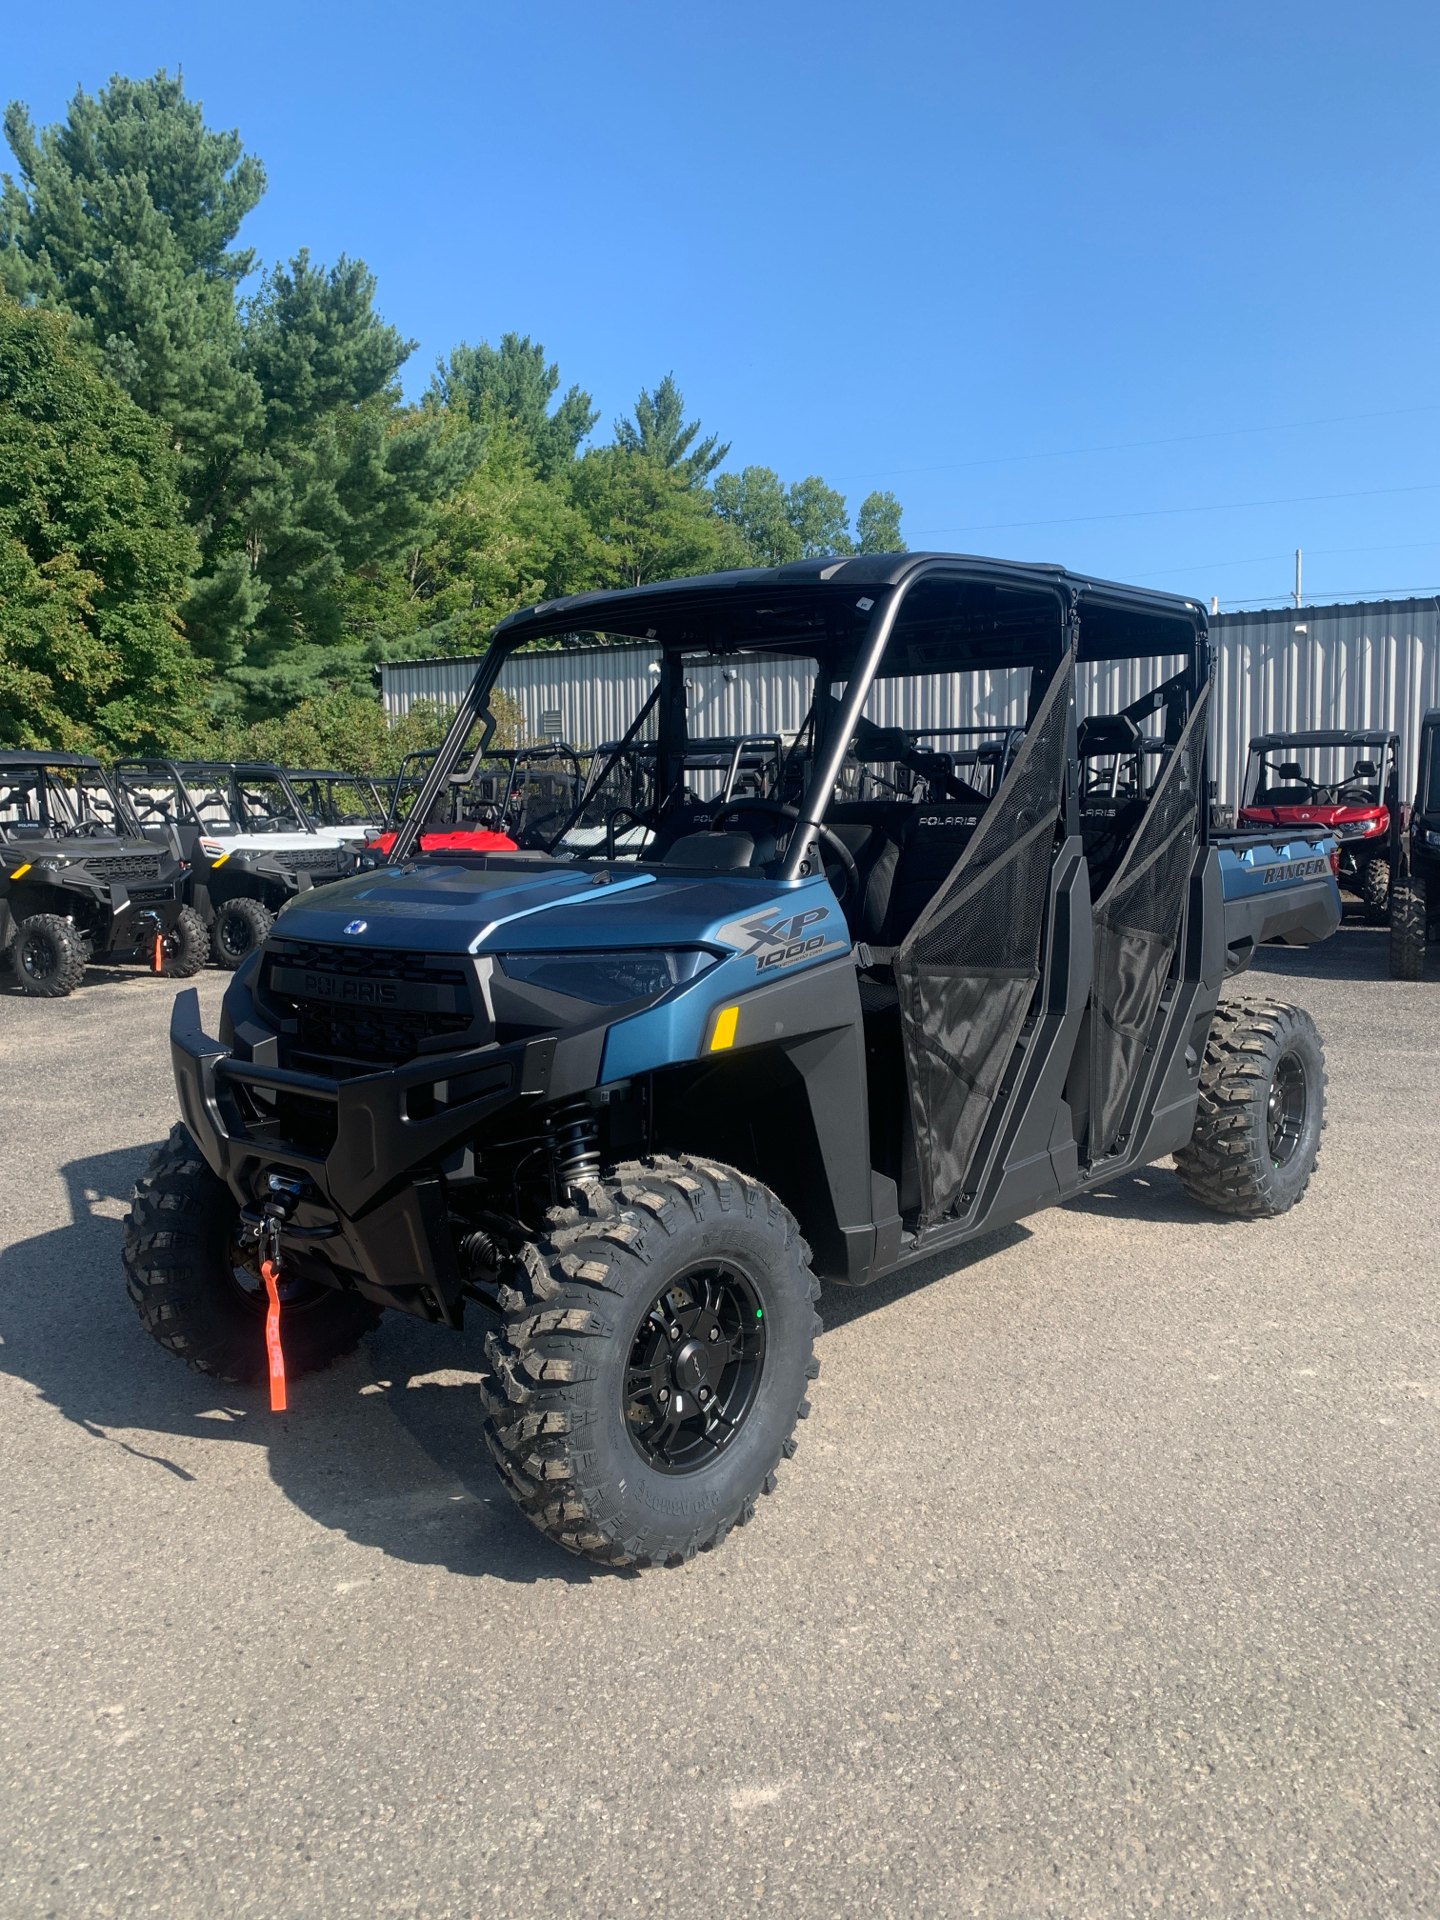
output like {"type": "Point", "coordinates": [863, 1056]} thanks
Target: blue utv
{"type": "Point", "coordinates": [962, 960]}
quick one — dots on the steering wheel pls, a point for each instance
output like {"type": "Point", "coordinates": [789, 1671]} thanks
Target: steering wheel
{"type": "Point", "coordinates": [620, 813]}
{"type": "Point", "coordinates": [832, 842]}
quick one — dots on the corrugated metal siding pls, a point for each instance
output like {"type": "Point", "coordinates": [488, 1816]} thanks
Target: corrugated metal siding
{"type": "Point", "coordinates": [1354, 666]}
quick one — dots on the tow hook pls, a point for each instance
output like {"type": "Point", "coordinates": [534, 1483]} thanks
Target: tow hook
{"type": "Point", "coordinates": [284, 1198]}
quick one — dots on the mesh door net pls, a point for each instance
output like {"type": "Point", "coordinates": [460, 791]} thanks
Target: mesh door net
{"type": "Point", "coordinates": [1137, 922]}
{"type": "Point", "coordinates": [966, 971]}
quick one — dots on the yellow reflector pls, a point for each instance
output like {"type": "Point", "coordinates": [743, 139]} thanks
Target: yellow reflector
{"type": "Point", "coordinates": [724, 1033]}
{"type": "Point", "coordinates": [223, 858]}
{"type": "Point", "coordinates": [23, 869]}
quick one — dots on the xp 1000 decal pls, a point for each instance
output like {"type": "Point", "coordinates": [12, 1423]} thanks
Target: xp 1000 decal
{"type": "Point", "coordinates": [779, 936]}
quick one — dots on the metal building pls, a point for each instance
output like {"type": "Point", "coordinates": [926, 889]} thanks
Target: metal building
{"type": "Point", "coordinates": [1284, 669]}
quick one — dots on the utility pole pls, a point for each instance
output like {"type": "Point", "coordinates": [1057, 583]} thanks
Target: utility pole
{"type": "Point", "coordinates": [1297, 576]}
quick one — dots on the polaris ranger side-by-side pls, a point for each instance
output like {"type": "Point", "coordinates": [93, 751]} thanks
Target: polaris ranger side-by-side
{"type": "Point", "coordinates": [248, 841]}
{"type": "Point", "coordinates": [634, 1110]}
{"type": "Point", "coordinates": [1344, 781]}
{"type": "Point", "coordinates": [79, 881]}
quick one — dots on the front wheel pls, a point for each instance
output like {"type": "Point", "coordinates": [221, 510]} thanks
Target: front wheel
{"type": "Point", "coordinates": [240, 927]}
{"type": "Point", "coordinates": [49, 956]}
{"type": "Point", "coordinates": [652, 1361]}
{"type": "Point", "coordinates": [185, 949]}
{"type": "Point", "coordinates": [1375, 890]}
{"type": "Point", "coordinates": [196, 1284]}
{"type": "Point", "coordinates": [1407, 930]}
{"type": "Point", "coordinates": [1261, 1112]}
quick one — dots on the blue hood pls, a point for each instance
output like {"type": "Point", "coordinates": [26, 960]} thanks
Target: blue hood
{"type": "Point", "coordinates": [447, 909]}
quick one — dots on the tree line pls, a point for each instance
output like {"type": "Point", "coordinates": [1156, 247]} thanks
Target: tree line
{"type": "Point", "coordinates": [217, 510]}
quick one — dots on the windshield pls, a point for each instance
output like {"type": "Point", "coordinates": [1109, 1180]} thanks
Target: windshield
{"type": "Point", "coordinates": [66, 802]}
{"type": "Point", "coordinates": [1292, 776]}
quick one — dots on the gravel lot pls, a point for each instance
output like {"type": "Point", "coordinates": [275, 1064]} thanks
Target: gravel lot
{"type": "Point", "coordinates": [1104, 1580]}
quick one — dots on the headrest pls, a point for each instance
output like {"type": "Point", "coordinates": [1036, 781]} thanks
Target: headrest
{"type": "Point", "coordinates": [1104, 733]}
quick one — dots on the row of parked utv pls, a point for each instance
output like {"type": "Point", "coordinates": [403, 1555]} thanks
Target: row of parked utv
{"type": "Point", "coordinates": [166, 863]}
{"type": "Point", "coordinates": [174, 864]}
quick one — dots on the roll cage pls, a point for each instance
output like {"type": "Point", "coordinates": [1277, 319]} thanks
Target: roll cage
{"type": "Point", "coordinates": [1275, 777]}
{"type": "Point", "coordinates": [215, 796]}
{"type": "Point", "coordinates": [61, 795]}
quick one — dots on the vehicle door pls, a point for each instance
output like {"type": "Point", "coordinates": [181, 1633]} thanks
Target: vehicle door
{"type": "Point", "coordinates": [967, 970]}
{"type": "Point", "coordinates": [1137, 921]}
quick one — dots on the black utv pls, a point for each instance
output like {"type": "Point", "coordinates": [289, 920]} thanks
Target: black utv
{"type": "Point", "coordinates": [635, 1110]}
{"type": "Point", "coordinates": [1415, 891]}
{"type": "Point", "coordinates": [78, 880]}
{"type": "Point", "coordinates": [249, 842]}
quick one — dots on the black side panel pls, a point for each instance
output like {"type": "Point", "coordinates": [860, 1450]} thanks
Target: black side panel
{"type": "Point", "coordinates": [967, 970]}
{"type": "Point", "coordinates": [1137, 922]}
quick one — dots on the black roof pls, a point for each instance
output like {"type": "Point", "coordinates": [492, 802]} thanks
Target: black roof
{"type": "Point", "coordinates": [20, 757]}
{"type": "Point", "coordinates": [1116, 621]}
{"type": "Point", "coordinates": [260, 768]}
{"type": "Point", "coordinates": [1326, 737]}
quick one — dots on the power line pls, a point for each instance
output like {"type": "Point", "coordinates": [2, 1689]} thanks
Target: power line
{"type": "Point", "coordinates": [1134, 446]}
{"type": "Point", "coordinates": [1163, 513]}
{"type": "Point", "coordinates": [1261, 559]}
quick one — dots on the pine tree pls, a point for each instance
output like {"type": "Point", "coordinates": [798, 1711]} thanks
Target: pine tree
{"type": "Point", "coordinates": [94, 553]}
{"type": "Point", "coordinates": [661, 432]}
{"type": "Point", "coordinates": [296, 455]}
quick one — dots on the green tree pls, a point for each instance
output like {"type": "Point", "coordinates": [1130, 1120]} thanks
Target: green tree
{"type": "Point", "coordinates": [123, 216]}
{"type": "Point", "coordinates": [647, 522]}
{"type": "Point", "coordinates": [94, 553]}
{"type": "Point", "coordinates": [777, 523]}
{"type": "Point", "coordinates": [297, 457]}
{"type": "Point", "coordinates": [513, 383]}
{"type": "Point", "coordinates": [503, 537]}
{"type": "Point", "coordinates": [661, 431]}
{"type": "Point", "coordinates": [877, 525]}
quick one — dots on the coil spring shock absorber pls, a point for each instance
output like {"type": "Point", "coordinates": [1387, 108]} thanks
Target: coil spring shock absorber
{"type": "Point", "coordinates": [577, 1144]}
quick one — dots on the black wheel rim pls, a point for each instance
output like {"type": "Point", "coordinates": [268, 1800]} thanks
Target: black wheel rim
{"type": "Point", "coordinates": [1286, 1108]}
{"type": "Point", "coordinates": [235, 933]}
{"type": "Point", "coordinates": [694, 1368]}
{"type": "Point", "coordinates": [38, 958]}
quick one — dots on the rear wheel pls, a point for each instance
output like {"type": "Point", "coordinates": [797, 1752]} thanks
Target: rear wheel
{"type": "Point", "coordinates": [49, 956]}
{"type": "Point", "coordinates": [185, 949]}
{"type": "Point", "coordinates": [1407, 929]}
{"type": "Point", "coordinates": [1375, 890]}
{"type": "Point", "coordinates": [240, 927]}
{"type": "Point", "coordinates": [196, 1285]}
{"type": "Point", "coordinates": [1261, 1111]}
{"type": "Point", "coordinates": [653, 1361]}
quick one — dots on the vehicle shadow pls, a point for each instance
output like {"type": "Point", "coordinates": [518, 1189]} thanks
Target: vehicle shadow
{"type": "Point", "coordinates": [1152, 1195]}
{"type": "Point", "coordinates": [1353, 952]}
{"type": "Point", "coordinates": [385, 1446]}
{"type": "Point", "coordinates": [839, 1305]}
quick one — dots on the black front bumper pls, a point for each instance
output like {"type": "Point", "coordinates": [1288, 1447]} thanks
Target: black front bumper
{"type": "Point", "coordinates": [375, 1215]}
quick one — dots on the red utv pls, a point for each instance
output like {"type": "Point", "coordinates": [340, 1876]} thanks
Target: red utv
{"type": "Point", "coordinates": [1348, 782]}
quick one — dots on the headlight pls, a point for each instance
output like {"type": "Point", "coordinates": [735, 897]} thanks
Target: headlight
{"type": "Point", "coordinates": [1431, 837]}
{"type": "Point", "coordinates": [1357, 829]}
{"type": "Point", "coordinates": [608, 979]}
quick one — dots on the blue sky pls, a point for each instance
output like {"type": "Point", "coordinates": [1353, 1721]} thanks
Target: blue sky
{"type": "Point", "coordinates": [1146, 289]}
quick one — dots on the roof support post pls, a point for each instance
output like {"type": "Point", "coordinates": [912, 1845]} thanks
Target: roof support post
{"type": "Point", "coordinates": [857, 692]}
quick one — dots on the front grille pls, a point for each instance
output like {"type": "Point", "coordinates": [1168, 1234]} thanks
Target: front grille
{"type": "Point", "coordinates": [125, 866]}
{"type": "Point", "coordinates": [324, 858]}
{"type": "Point", "coordinates": [363, 1004]}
